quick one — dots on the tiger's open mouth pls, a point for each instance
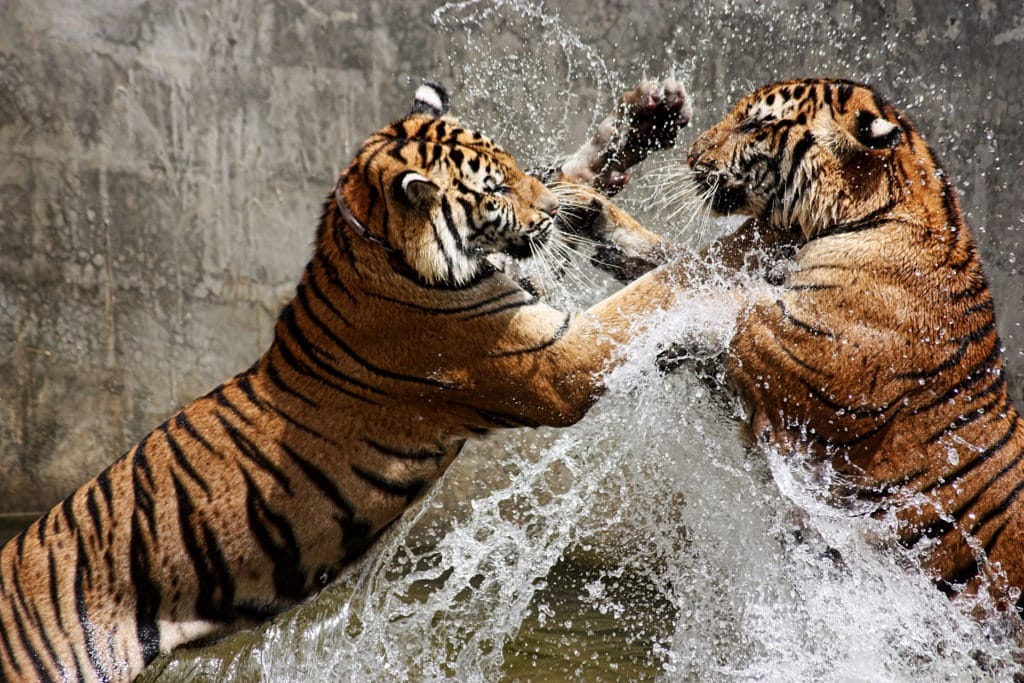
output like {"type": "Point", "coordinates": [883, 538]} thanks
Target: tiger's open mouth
{"type": "Point", "coordinates": [721, 191]}
{"type": "Point", "coordinates": [724, 195]}
{"type": "Point", "coordinates": [529, 244]}
{"type": "Point", "coordinates": [518, 246]}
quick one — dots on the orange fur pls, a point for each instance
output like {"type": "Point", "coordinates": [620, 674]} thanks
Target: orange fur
{"type": "Point", "coordinates": [401, 343]}
{"type": "Point", "coordinates": [880, 351]}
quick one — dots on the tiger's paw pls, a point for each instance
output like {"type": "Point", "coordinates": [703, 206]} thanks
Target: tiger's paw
{"type": "Point", "coordinates": [645, 119]}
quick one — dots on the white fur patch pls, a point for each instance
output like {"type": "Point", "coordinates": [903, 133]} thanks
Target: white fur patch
{"type": "Point", "coordinates": [429, 97]}
{"type": "Point", "coordinates": [412, 178]}
{"type": "Point", "coordinates": [881, 128]}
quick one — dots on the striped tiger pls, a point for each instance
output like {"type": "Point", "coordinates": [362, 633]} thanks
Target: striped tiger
{"type": "Point", "coordinates": [880, 352]}
{"type": "Point", "coordinates": [402, 342]}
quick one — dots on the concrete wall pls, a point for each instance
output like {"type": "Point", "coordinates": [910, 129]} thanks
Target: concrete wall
{"type": "Point", "coordinates": [162, 163]}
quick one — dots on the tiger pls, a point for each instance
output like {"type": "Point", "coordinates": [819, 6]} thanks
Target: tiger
{"type": "Point", "coordinates": [402, 342]}
{"type": "Point", "coordinates": [878, 353]}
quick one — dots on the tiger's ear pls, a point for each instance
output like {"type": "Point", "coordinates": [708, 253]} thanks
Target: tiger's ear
{"type": "Point", "coordinates": [431, 98]}
{"type": "Point", "coordinates": [414, 189]}
{"type": "Point", "coordinates": [876, 132]}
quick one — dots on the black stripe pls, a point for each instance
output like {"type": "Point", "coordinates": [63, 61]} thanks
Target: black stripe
{"type": "Point", "coordinates": [36, 623]}
{"type": "Point", "coordinates": [396, 148]}
{"type": "Point", "coordinates": [807, 327]}
{"type": "Point", "coordinates": [275, 377]}
{"type": "Point", "coordinates": [147, 601]}
{"type": "Point", "coordinates": [41, 524]}
{"type": "Point", "coordinates": [985, 306]}
{"type": "Point", "coordinates": [383, 372]}
{"type": "Point", "coordinates": [484, 271]}
{"type": "Point", "coordinates": [250, 450]}
{"type": "Point", "coordinates": [84, 622]}
{"type": "Point", "coordinates": [452, 224]}
{"type": "Point", "coordinates": [556, 335]}
{"type": "Point", "coordinates": [952, 581]}
{"type": "Point", "coordinates": [276, 538]}
{"type": "Point", "coordinates": [811, 288]}
{"type": "Point", "coordinates": [315, 353]}
{"type": "Point", "coordinates": [803, 270]}
{"type": "Point", "coordinates": [999, 509]}
{"type": "Point", "coordinates": [19, 613]}
{"type": "Point", "coordinates": [331, 273]}
{"type": "Point", "coordinates": [103, 480]}
{"type": "Point", "coordinates": [456, 309]}
{"type": "Point", "coordinates": [305, 370]}
{"type": "Point", "coordinates": [321, 481]}
{"type": "Point", "coordinates": [322, 297]}
{"type": "Point", "coordinates": [872, 220]}
{"type": "Point", "coordinates": [505, 307]}
{"type": "Point", "coordinates": [965, 419]}
{"type": "Point", "coordinates": [216, 588]}
{"type": "Point", "coordinates": [976, 374]}
{"type": "Point", "coordinates": [801, 148]}
{"type": "Point", "coordinates": [55, 589]}
{"type": "Point", "coordinates": [505, 419]}
{"type": "Point", "coordinates": [974, 337]}
{"type": "Point", "coordinates": [844, 92]}
{"type": "Point", "coordinates": [406, 489]}
{"type": "Point", "coordinates": [857, 413]}
{"type": "Point", "coordinates": [878, 427]}
{"type": "Point", "coordinates": [182, 422]}
{"type": "Point", "coordinates": [301, 426]}
{"type": "Point", "coordinates": [183, 461]}
{"type": "Point", "coordinates": [244, 382]}
{"type": "Point", "coordinates": [220, 396]}
{"type": "Point", "coordinates": [144, 502]}
{"type": "Point", "coordinates": [394, 452]}
{"type": "Point", "coordinates": [423, 130]}
{"type": "Point", "coordinates": [93, 509]}
{"type": "Point", "coordinates": [449, 263]}
{"type": "Point", "coordinates": [9, 656]}
{"type": "Point", "coordinates": [801, 362]}
{"type": "Point", "coordinates": [979, 287]}
{"type": "Point", "coordinates": [969, 466]}
{"type": "Point", "coordinates": [936, 529]}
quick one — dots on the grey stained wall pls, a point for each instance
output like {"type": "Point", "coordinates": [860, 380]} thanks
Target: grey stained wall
{"type": "Point", "coordinates": [162, 163]}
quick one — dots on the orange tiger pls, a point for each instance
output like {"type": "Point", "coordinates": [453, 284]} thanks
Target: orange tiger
{"type": "Point", "coordinates": [402, 342]}
{"type": "Point", "coordinates": [880, 351]}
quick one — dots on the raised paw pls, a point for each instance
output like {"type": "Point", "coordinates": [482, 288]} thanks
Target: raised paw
{"type": "Point", "coordinates": [644, 120]}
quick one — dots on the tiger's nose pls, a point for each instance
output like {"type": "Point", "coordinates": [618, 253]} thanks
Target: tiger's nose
{"type": "Point", "coordinates": [548, 203]}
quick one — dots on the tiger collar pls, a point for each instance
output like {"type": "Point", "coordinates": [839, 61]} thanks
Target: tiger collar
{"type": "Point", "coordinates": [359, 227]}
{"type": "Point", "coordinates": [395, 257]}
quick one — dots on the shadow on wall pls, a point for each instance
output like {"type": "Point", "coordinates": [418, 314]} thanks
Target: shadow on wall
{"type": "Point", "coordinates": [162, 165]}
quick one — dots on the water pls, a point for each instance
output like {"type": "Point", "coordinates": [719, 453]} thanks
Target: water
{"type": "Point", "coordinates": [647, 542]}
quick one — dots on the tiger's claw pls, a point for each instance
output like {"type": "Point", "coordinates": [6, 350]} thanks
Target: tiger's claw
{"type": "Point", "coordinates": [645, 119]}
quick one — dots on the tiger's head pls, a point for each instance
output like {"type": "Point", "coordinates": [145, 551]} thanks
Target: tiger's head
{"type": "Point", "coordinates": [442, 197]}
{"type": "Point", "coordinates": [816, 156]}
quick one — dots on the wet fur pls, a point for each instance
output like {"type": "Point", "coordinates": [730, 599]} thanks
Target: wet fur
{"type": "Point", "coordinates": [401, 343]}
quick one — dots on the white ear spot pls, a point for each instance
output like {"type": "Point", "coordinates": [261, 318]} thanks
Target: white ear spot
{"type": "Point", "coordinates": [431, 98]}
{"type": "Point", "coordinates": [411, 178]}
{"type": "Point", "coordinates": [880, 128]}
{"type": "Point", "coordinates": [876, 132]}
{"type": "Point", "coordinates": [416, 188]}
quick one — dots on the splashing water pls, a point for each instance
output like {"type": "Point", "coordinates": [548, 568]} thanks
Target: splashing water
{"type": "Point", "coordinates": [645, 542]}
